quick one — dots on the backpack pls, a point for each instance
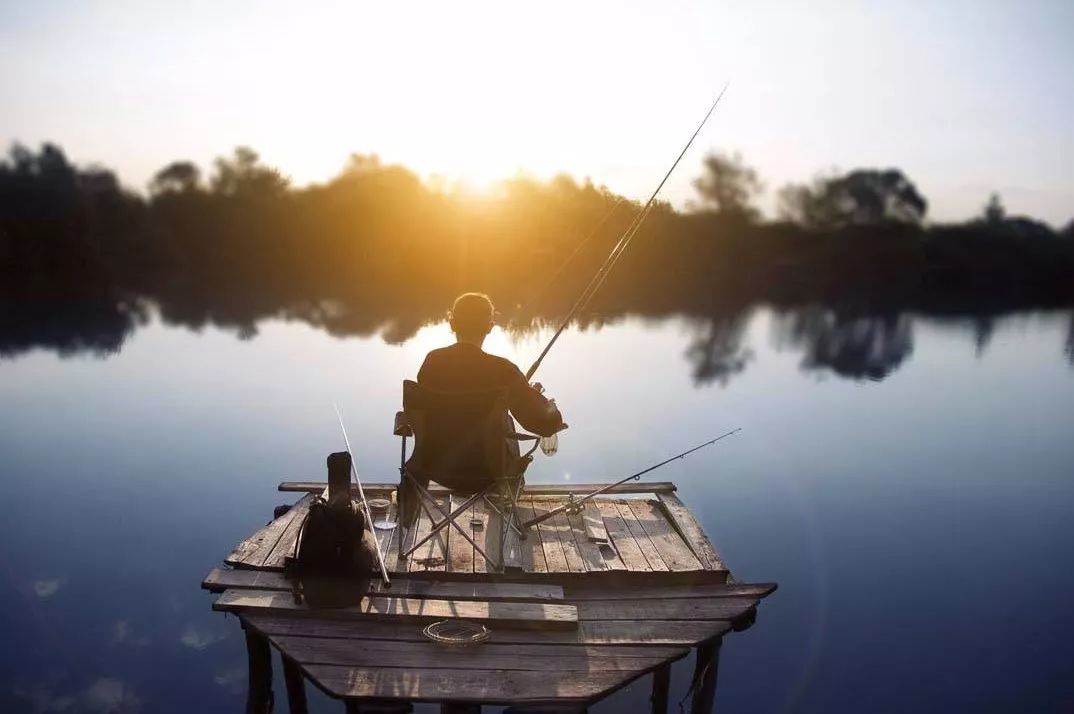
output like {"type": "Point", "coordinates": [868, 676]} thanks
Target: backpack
{"type": "Point", "coordinates": [333, 558]}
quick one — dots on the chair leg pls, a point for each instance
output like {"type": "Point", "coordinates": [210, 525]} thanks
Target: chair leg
{"type": "Point", "coordinates": [449, 520]}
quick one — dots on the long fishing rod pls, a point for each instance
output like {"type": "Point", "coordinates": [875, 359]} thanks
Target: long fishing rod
{"type": "Point", "coordinates": [365, 505]}
{"type": "Point", "coordinates": [574, 505]}
{"type": "Point", "coordinates": [628, 235]}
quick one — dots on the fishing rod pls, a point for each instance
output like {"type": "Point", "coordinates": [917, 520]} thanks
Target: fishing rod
{"type": "Point", "coordinates": [365, 505]}
{"type": "Point", "coordinates": [617, 251]}
{"type": "Point", "coordinates": [575, 506]}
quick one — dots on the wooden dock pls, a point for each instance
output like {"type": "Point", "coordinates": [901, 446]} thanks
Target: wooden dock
{"type": "Point", "coordinates": [595, 600]}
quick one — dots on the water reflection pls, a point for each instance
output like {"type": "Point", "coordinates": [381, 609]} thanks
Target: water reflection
{"type": "Point", "coordinates": [852, 344]}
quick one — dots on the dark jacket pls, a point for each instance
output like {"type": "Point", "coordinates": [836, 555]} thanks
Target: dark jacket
{"type": "Point", "coordinates": [465, 367]}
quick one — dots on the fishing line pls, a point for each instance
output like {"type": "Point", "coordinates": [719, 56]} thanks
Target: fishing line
{"type": "Point", "coordinates": [365, 505]}
{"type": "Point", "coordinates": [620, 247]}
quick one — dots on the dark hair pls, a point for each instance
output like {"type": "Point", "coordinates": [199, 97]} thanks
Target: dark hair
{"type": "Point", "coordinates": [471, 315]}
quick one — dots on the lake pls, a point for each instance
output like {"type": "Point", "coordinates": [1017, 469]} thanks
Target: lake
{"type": "Point", "coordinates": [908, 482]}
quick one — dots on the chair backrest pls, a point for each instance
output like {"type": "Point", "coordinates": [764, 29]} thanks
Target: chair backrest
{"type": "Point", "coordinates": [458, 436]}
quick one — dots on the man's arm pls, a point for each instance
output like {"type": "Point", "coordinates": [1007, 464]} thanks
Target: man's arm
{"type": "Point", "coordinates": [535, 413]}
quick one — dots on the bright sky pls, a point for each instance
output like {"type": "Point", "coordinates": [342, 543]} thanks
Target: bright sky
{"type": "Point", "coordinates": [966, 96]}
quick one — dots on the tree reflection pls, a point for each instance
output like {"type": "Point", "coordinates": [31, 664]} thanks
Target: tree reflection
{"type": "Point", "coordinates": [852, 346]}
{"type": "Point", "coordinates": [716, 353]}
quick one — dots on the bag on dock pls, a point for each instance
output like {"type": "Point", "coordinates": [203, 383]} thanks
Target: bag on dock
{"type": "Point", "coordinates": [333, 557]}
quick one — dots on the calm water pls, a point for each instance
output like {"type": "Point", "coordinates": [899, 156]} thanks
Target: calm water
{"type": "Point", "coordinates": [910, 485]}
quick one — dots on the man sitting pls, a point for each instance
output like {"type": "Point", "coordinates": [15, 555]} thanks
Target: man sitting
{"type": "Point", "coordinates": [464, 367]}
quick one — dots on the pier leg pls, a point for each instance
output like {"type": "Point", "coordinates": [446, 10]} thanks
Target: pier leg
{"type": "Point", "coordinates": [708, 662]}
{"type": "Point", "coordinates": [459, 708]}
{"type": "Point", "coordinates": [259, 688]}
{"type": "Point", "coordinates": [296, 687]}
{"type": "Point", "coordinates": [661, 685]}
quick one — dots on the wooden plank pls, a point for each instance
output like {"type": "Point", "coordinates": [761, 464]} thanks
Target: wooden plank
{"type": "Point", "coordinates": [683, 520]}
{"type": "Point", "coordinates": [389, 539]}
{"type": "Point", "coordinates": [565, 533]}
{"type": "Point", "coordinates": [460, 551]}
{"type": "Point", "coordinates": [513, 557]}
{"type": "Point", "coordinates": [645, 544]}
{"type": "Point", "coordinates": [555, 560]}
{"type": "Point", "coordinates": [590, 551]}
{"type": "Point", "coordinates": [599, 633]}
{"type": "Point", "coordinates": [504, 658]}
{"type": "Point", "coordinates": [433, 554]}
{"type": "Point", "coordinates": [594, 523]}
{"type": "Point", "coordinates": [692, 609]}
{"type": "Point", "coordinates": [220, 579]}
{"type": "Point", "coordinates": [285, 546]}
{"type": "Point", "coordinates": [508, 614]}
{"type": "Point", "coordinates": [531, 489]}
{"type": "Point", "coordinates": [481, 686]}
{"type": "Point", "coordinates": [620, 539]}
{"type": "Point", "coordinates": [487, 536]}
{"type": "Point", "coordinates": [674, 551]}
{"type": "Point", "coordinates": [252, 551]}
{"type": "Point", "coordinates": [667, 592]}
{"type": "Point", "coordinates": [530, 547]}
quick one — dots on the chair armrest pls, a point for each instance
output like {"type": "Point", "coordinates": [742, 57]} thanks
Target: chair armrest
{"type": "Point", "coordinates": [521, 437]}
{"type": "Point", "coordinates": [402, 426]}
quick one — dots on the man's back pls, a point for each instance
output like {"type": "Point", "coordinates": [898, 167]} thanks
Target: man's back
{"type": "Point", "coordinates": [465, 367]}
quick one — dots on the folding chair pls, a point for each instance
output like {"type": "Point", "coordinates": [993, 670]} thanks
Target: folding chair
{"type": "Point", "coordinates": [466, 442]}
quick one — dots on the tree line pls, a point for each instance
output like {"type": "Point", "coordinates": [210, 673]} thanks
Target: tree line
{"type": "Point", "coordinates": [378, 249]}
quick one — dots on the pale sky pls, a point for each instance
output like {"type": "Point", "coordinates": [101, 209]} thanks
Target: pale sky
{"type": "Point", "coordinates": [965, 96]}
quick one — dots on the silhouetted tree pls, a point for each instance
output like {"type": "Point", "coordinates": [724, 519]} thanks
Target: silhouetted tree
{"type": "Point", "coordinates": [994, 212]}
{"type": "Point", "coordinates": [729, 186]}
{"type": "Point", "coordinates": [176, 176]}
{"type": "Point", "coordinates": [862, 197]}
{"type": "Point", "coordinates": [243, 174]}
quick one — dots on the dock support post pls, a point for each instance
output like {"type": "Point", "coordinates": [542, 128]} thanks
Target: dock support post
{"type": "Point", "coordinates": [661, 685]}
{"type": "Point", "coordinates": [259, 687]}
{"type": "Point", "coordinates": [296, 686]}
{"type": "Point", "coordinates": [704, 681]}
{"type": "Point", "coordinates": [459, 708]}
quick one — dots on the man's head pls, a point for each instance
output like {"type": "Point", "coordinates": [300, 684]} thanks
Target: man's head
{"type": "Point", "coordinates": [471, 317]}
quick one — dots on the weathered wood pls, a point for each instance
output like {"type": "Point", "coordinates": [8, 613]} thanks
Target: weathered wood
{"type": "Point", "coordinates": [705, 670]}
{"type": "Point", "coordinates": [465, 685]}
{"type": "Point", "coordinates": [505, 658]}
{"type": "Point", "coordinates": [620, 538]}
{"type": "Point", "coordinates": [220, 579]}
{"type": "Point", "coordinates": [658, 700]}
{"type": "Point", "coordinates": [530, 489]}
{"type": "Point", "coordinates": [508, 614]}
{"type": "Point", "coordinates": [514, 559]}
{"type": "Point", "coordinates": [389, 539]}
{"type": "Point", "coordinates": [487, 536]}
{"type": "Point", "coordinates": [253, 551]}
{"type": "Point", "coordinates": [565, 533]}
{"type": "Point", "coordinates": [296, 687]}
{"type": "Point", "coordinates": [645, 544]}
{"type": "Point", "coordinates": [724, 608]}
{"type": "Point", "coordinates": [285, 546]}
{"type": "Point", "coordinates": [594, 523]}
{"type": "Point", "coordinates": [584, 591]}
{"type": "Point", "coordinates": [673, 550]}
{"type": "Point", "coordinates": [587, 549]}
{"type": "Point", "coordinates": [259, 686]}
{"type": "Point", "coordinates": [692, 533]}
{"type": "Point", "coordinates": [648, 633]}
{"type": "Point", "coordinates": [533, 560]}
{"type": "Point", "coordinates": [460, 551]}
{"type": "Point", "coordinates": [555, 560]}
